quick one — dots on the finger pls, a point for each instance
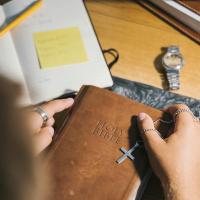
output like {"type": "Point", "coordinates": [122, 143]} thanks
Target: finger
{"type": "Point", "coordinates": [49, 122]}
{"type": "Point", "coordinates": [151, 139]}
{"type": "Point", "coordinates": [52, 107]}
{"type": "Point", "coordinates": [169, 132]}
{"type": "Point", "coordinates": [172, 109]}
{"type": "Point", "coordinates": [43, 139]}
{"type": "Point", "coordinates": [183, 119]}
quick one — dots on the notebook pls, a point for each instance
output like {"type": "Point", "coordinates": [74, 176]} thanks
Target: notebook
{"type": "Point", "coordinates": [182, 15]}
{"type": "Point", "coordinates": [44, 79]}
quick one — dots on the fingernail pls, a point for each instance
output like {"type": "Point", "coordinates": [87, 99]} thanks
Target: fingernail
{"type": "Point", "coordinates": [141, 117]}
{"type": "Point", "coordinates": [51, 130]}
{"type": "Point", "coordinates": [71, 100]}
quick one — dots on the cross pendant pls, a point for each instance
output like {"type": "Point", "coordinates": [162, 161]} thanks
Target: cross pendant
{"type": "Point", "coordinates": [127, 153]}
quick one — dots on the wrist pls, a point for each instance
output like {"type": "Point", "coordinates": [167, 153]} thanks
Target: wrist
{"type": "Point", "coordinates": [181, 190]}
{"type": "Point", "coordinates": [171, 191]}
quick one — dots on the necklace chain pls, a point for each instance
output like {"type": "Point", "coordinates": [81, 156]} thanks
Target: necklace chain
{"type": "Point", "coordinates": [184, 110]}
{"type": "Point", "coordinates": [174, 117]}
{"type": "Point", "coordinates": [140, 142]}
{"type": "Point", "coordinates": [161, 120]}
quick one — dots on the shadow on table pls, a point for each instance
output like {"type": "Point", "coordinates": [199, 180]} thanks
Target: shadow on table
{"type": "Point", "coordinates": [160, 69]}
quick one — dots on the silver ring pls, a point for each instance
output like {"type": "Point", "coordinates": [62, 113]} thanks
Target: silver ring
{"type": "Point", "coordinates": [151, 129]}
{"type": "Point", "coordinates": [43, 114]}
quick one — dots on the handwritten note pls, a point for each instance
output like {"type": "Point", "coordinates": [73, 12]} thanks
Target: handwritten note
{"type": "Point", "coordinates": [60, 47]}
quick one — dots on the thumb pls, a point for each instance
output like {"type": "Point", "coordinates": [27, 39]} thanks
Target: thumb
{"type": "Point", "coordinates": [151, 138]}
{"type": "Point", "coordinates": [43, 139]}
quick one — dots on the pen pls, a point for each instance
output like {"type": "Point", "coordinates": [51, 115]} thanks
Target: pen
{"type": "Point", "coordinates": [20, 18]}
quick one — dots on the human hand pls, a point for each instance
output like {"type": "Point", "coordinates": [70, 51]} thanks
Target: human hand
{"type": "Point", "coordinates": [43, 132]}
{"type": "Point", "coordinates": [175, 160]}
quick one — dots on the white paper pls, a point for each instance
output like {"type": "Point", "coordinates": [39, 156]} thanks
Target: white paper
{"type": "Point", "coordinates": [9, 63]}
{"type": "Point", "coordinates": [45, 84]}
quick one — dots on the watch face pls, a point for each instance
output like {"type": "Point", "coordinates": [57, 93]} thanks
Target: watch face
{"type": "Point", "coordinates": [173, 60]}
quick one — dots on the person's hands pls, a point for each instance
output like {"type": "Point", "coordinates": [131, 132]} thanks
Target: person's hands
{"type": "Point", "coordinates": [43, 132]}
{"type": "Point", "coordinates": [175, 160]}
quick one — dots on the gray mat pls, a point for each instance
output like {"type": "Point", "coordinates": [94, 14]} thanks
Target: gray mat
{"type": "Point", "coordinates": [152, 96]}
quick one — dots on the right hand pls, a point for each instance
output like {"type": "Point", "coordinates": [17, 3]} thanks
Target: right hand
{"type": "Point", "coordinates": [175, 160]}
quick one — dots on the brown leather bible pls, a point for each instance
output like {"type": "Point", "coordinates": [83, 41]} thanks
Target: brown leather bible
{"type": "Point", "coordinates": [96, 132]}
{"type": "Point", "coordinates": [193, 6]}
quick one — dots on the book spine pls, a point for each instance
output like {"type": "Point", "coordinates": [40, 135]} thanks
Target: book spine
{"type": "Point", "coordinates": [132, 189]}
{"type": "Point", "coordinates": [60, 133]}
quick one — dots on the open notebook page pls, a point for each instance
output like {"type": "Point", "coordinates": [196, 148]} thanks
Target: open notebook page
{"type": "Point", "coordinates": [45, 84]}
{"type": "Point", "coordinates": [9, 63]}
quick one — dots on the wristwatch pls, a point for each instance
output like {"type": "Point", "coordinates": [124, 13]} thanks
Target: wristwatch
{"type": "Point", "coordinates": [173, 62]}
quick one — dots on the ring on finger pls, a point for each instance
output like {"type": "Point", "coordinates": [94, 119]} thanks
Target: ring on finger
{"type": "Point", "coordinates": [151, 129]}
{"type": "Point", "coordinates": [43, 114]}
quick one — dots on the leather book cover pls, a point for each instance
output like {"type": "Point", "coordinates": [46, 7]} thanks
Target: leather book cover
{"type": "Point", "coordinates": [192, 5]}
{"type": "Point", "coordinates": [172, 21]}
{"type": "Point", "coordinates": [84, 159]}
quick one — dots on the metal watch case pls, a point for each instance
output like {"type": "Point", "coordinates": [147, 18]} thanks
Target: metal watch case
{"type": "Point", "coordinates": [173, 69]}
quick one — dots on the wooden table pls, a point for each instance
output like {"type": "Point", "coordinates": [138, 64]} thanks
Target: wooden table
{"type": "Point", "coordinates": [141, 38]}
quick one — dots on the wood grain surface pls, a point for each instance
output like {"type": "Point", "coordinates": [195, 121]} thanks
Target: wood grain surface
{"type": "Point", "coordinates": [141, 39]}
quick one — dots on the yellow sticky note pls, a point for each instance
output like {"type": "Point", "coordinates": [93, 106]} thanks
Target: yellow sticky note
{"type": "Point", "coordinates": [60, 47]}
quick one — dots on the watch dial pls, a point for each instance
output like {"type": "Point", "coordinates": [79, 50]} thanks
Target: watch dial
{"type": "Point", "coordinates": [173, 60]}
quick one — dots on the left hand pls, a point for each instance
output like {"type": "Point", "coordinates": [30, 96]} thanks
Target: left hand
{"type": "Point", "coordinates": [43, 132]}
